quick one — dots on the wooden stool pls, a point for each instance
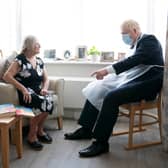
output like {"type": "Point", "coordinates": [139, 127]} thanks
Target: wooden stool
{"type": "Point", "coordinates": [5, 125]}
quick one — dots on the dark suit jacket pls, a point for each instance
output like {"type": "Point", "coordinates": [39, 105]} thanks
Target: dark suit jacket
{"type": "Point", "coordinates": [149, 52]}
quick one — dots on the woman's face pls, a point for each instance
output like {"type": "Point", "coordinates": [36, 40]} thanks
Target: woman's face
{"type": "Point", "coordinates": [36, 48]}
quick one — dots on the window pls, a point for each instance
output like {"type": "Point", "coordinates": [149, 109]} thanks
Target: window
{"type": "Point", "coordinates": [66, 24]}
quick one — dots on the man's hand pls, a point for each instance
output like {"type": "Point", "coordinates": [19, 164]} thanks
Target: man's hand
{"type": "Point", "coordinates": [100, 74]}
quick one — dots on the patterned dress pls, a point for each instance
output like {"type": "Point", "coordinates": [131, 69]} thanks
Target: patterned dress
{"type": "Point", "coordinates": [32, 79]}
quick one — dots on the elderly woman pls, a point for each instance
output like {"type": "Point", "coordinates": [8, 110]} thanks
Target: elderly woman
{"type": "Point", "coordinates": [139, 76]}
{"type": "Point", "coordinates": [28, 74]}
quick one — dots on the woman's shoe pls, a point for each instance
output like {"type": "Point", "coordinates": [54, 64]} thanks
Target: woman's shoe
{"type": "Point", "coordinates": [45, 138]}
{"type": "Point", "coordinates": [36, 145]}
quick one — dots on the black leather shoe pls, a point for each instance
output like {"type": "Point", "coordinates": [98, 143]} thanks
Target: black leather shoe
{"type": "Point", "coordinates": [45, 138]}
{"type": "Point", "coordinates": [95, 149]}
{"type": "Point", "coordinates": [36, 145]}
{"type": "Point", "coordinates": [80, 133]}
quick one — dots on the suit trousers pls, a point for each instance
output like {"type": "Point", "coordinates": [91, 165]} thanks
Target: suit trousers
{"type": "Point", "coordinates": [101, 123]}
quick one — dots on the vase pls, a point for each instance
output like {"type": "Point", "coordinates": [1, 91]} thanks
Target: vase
{"type": "Point", "coordinates": [95, 58]}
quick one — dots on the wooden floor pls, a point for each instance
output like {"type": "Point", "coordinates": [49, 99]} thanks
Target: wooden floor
{"type": "Point", "coordinates": [64, 154]}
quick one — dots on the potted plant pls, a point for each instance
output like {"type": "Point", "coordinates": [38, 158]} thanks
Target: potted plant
{"type": "Point", "coordinates": [94, 53]}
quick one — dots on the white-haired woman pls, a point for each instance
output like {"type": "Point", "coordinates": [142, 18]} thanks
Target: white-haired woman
{"type": "Point", "coordinates": [28, 74]}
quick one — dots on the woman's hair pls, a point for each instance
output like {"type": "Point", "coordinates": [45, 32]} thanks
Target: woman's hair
{"type": "Point", "coordinates": [130, 25]}
{"type": "Point", "coordinates": [28, 43]}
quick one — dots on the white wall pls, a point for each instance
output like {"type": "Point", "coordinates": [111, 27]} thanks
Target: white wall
{"type": "Point", "coordinates": [77, 76]}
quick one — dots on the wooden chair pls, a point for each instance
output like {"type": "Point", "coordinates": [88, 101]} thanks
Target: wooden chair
{"type": "Point", "coordinates": [137, 109]}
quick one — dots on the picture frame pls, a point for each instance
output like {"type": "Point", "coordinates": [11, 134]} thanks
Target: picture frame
{"type": "Point", "coordinates": [121, 55]}
{"type": "Point", "coordinates": [81, 52]}
{"type": "Point", "coordinates": [50, 53]}
{"type": "Point", "coordinates": [107, 56]}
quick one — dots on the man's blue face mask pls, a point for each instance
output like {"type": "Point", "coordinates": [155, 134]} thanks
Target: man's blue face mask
{"type": "Point", "coordinates": [127, 39]}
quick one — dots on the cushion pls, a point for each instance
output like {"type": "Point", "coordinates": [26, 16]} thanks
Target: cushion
{"type": "Point", "coordinates": [5, 63]}
{"type": "Point", "coordinates": [9, 60]}
{"type": "Point", "coordinates": [2, 68]}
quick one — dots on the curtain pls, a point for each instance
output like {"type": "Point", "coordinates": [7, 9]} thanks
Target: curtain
{"type": "Point", "coordinates": [10, 25]}
{"type": "Point", "coordinates": [165, 98]}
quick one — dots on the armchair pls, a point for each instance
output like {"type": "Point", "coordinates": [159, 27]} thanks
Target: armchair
{"type": "Point", "coordinates": [8, 94]}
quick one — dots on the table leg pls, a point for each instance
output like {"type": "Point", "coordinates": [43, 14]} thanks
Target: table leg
{"type": "Point", "coordinates": [5, 146]}
{"type": "Point", "coordinates": [18, 135]}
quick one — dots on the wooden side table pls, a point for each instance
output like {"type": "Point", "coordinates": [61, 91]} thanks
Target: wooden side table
{"type": "Point", "coordinates": [5, 125]}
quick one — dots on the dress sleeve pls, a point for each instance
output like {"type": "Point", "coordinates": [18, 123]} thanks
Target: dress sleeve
{"type": "Point", "coordinates": [19, 59]}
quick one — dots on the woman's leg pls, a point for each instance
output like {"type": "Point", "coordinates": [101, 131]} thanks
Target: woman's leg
{"type": "Point", "coordinates": [33, 127]}
{"type": "Point", "coordinates": [36, 124]}
{"type": "Point", "coordinates": [40, 130]}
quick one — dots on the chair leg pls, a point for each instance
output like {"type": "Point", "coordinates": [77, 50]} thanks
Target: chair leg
{"type": "Point", "coordinates": [60, 122]}
{"type": "Point", "coordinates": [131, 129]}
{"type": "Point", "coordinates": [131, 144]}
{"type": "Point", "coordinates": [140, 120]}
{"type": "Point", "coordinates": [160, 122]}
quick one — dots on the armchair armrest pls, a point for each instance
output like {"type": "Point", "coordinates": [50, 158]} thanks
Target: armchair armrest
{"type": "Point", "coordinates": [8, 94]}
{"type": "Point", "coordinates": [57, 85]}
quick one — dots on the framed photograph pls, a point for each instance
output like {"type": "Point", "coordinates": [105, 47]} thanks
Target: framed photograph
{"type": "Point", "coordinates": [50, 53]}
{"type": "Point", "coordinates": [121, 55]}
{"type": "Point", "coordinates": [81, 52]}
{"type": "Point", "coordinates": [107, 56]}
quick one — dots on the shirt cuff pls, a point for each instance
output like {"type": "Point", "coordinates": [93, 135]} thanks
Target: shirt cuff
{"type": "Point", "coordinates": [110, 69]}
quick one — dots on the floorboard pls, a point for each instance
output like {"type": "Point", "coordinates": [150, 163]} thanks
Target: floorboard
{"type": "Point", "coordinates": [64, 154]}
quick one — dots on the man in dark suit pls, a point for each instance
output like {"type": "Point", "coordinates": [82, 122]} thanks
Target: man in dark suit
{"type": "Point", "coordinates": [142, 74]}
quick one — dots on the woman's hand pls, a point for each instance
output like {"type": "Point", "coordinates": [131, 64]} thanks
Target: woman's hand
{"type": "Point", "coordinates": [26, 96]}
{"type": "Point", "coordinates": [43, 92]}
{"type": "Point", "coordinates": [100, 74]}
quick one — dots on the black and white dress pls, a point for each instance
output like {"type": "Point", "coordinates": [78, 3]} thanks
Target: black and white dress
{"type": "Point", "coordinates": [32, 79]}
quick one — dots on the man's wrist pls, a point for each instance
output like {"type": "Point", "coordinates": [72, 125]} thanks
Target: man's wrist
{"type": "Point", "coordinates": [110, 69]}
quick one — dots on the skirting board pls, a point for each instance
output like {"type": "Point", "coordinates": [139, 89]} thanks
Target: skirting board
{"type": "Point", "coordinates": [72, 113]}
